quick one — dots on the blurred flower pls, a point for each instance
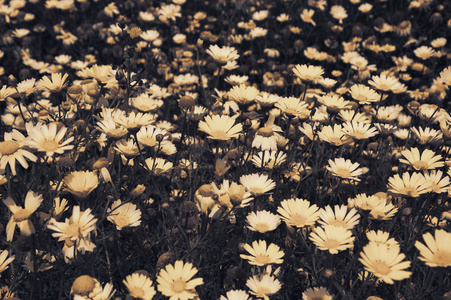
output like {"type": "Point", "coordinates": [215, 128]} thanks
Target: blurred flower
{"type": "Point", "coordinates": [424, 52]}
{"type": "Point", "coordinates": [20, 216]}
{"type": "Point", "coordinates": [445, 76]}
{"type": "Point", "coordinates": [307, 15]}
{"type": "Point", "coordinates": [6, 91]}
{"type": "Point", "coordinates": [385, 262]}
{"type": "Point", "coordinates": [437, 251]}
{"type": "Point", "coordinates": [332, 238]}
{"type": "Point", "coordinates": [158, 166]}
{"type": "Point", "coordinates": [381, 237]}
{"type": "Point", "coordinates": [56, 84]}
{"type": "Point", "coordinates": [338, 12]}
{"type": "Point", "coordinates": [175, 281]}
{"type": "Point", "coordinates": [26, 87]}
{"type": "Point", "coordinates": [5, 260]}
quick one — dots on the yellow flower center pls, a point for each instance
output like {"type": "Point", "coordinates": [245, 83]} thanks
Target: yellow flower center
{"type": "Point", "coordinates": [262, 259]}
{"type": "Point", "coordinates": [83, 285]}
{"type": "Point", "coordinates": [331, 244]}
{"type": "Point", "coordinates": [298, 220]}
{"type": "Point", "coordinates": [73, 230]}
{"type": "Point", "coordinates": [265, 132]}
{"type": "Point", "coordinates": [137, 292]}
{"type": "Point", "coordinates": [219, 135]}
{"type": "Point", "coordinates": [343, 173]}
{"type": "Point", "coordinates": [121, 221]}
{"type": "Point", "coordinates": [178, 286]}
{"type": "Point", "coordinates": [49, 146]}
{"type": "Point", "coordinates": [9, 147]}
{"type": "Point", "coordinates": [338, 223]}
{"type": "Point", "coordinates": [420, 165]}
{"type": "Point", "coordinates": [409, 191]}
{"type": "Point", "coordinates": [263, 291]}
{"type": "Point", "coordinates": [381, 267]}
{"type": "Point", "coordinates": [22, 215]}
{"type": "Point", "coordinates": [442, 258]}
{"type": "Point", "coordinates": [261, 227]}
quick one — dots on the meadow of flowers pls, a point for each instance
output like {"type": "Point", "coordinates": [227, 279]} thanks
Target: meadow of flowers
{"type": "Point", "coordinates": [229, 149]}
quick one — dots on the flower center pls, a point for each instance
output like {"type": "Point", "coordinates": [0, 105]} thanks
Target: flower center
{"type": "Point", "coordinates": [331, 244]}
{"type": "Point", "coordinates": [22, 215]}
{"type": "Point", "coordinates": [442, 258]}
{"type": "Point", "coordinates": [121, 221]}
{"type": "Point", "coordinates": [49, 146]}
{"type": "Point", "coordinates": [265, 132]}
{"type": "Point", "coordinates": [138, 293]}
{"type": "Point", "coordinates": [73, 230]}
{"type": "Point", "coordinates": [178, 286]}
{"type": "Point", "coordinates": [9, 147]}
{"type": "Point", "coordinates": [381, 267]}
{"type": "Point", "coordinates": [263, 291]}
{"type": "Point", "coordinates": [338, 223]}
{"type": "Point", "coordinates": [219, 135]}
{"type": "Point", "coordinates": [261, 227]}
{"type": "Point", "coordinates": [409, 191]}
{"type": "Point", "coordinates": [343, 173]}
{"type": "Point", "coordinates": [420, 165]}
{"type": "Point", "coordinates": [297, 220]}
{"type": "Point", "coordinates": [262, 259]}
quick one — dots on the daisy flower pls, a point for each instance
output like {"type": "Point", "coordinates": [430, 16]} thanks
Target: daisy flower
{"type": "Point", "coordinates": [134, 121]}
{"type": "Point", "coordinates": [334, 135]}
{"type": "Point", "coordinates": [308, 74]}
{"type": "Point", "coordinates": [427, 135]}
{"type": "Point", "coordinates": [6, 91]}
{"type": "Point", "coordinates": [48, 139]}
{"type": "Point", "coordinates": [293, 107]}
{"type": "Point", "coordinates": [26, 87]}
{"type": "Point", "coordinates": [243, 94]}
{"type": "Point", "coordinates": [235, 295]}
{"type": "Point", "coordinates": [381, 237]}
{"type": "Point", "coordinates": [220, 127]}
{"type": "Point", "coordinates": [365, 202]}
{"type": "Point", "coordinates": [344, 169]}
{"type": "Point", "coordinates": [260, 255]}
{"type": "Point", "coordinates": [332, 238]}
{"type": "Point", "coordinates": [338, 12]}
{"type": "Point", "coordinates": [334, 103]}
{"type": "Point", "coordinates": [262, 221]}
{"type": "Point", "coordinates": [384, 211]}
{"type": "Point", "coordinates": [175, 281]}
{"type": "Point", "coordinates": [20, 216]}
{"type": "Point", "coordinates": [139, 286]}
{"type": "Point", "coordinates": [385, 262]}
{"type": "Point", "coordinates": [111, 129]}
{"type": "Point", "coordinates": [11, 151]}
{"type": "Point", "coordinates": [445, 76]}
{"type": "Point", "coordinates": [359, 130]}
{"type": "Point", "coordinates": [364, 94]}
{"type": "Point", "coordinates": [158, 166]}
{"type": "Point", "coordinates": [124, 215]}
{"type": "Point", "coordinates": [268, 159]}
{"type": "Point", "coordinates": [127, 147]}
{"type": "Point", "coordinates": [56, 84]}
{"type": "Point", "coordinates": [81, 183]}
{"type": "Point", "coordinates": [263, 286]}
{"type": "Point", "coordinates": [5, 260]}
{"type": "Point", "coordinates": [424, 161]}
{"type": "Point", "coordinates": [257, 184]}
{"type": "Point", "coordinates": [384, 83]}
{"type": "Point", "coordinates": [298, 212]}
{"type": "Point", "coordinates": [409, 185]}
{"type": "Point", "coordinates": [437, 183]}
{"type": "Point", "coordinates": [223, 54]}
{"type": "Point", "coordinates": [317, 293]}
{"type": "Point", "coordinates": [437, 251]}
{"type": "Point", "coordinates": [78, 227]}
{"type": "Point", "coordinates": [339, 216]}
